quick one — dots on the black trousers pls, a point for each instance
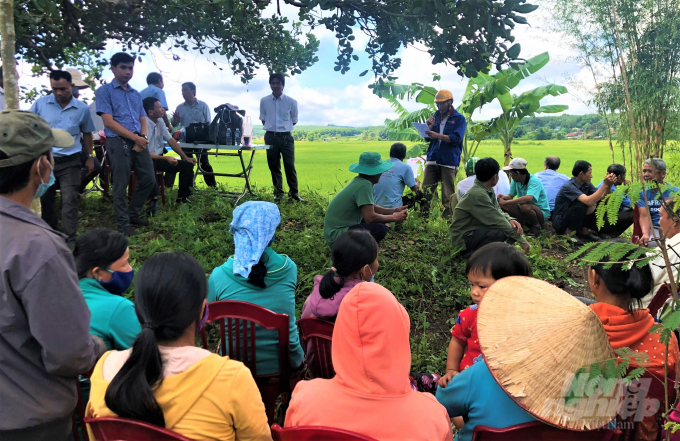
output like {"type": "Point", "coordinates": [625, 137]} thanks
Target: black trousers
{"type": "Point", "coordinates": [205, 166]}
{"type": "Point", "coordinates": [575, 219]}
{"type": "Point", "coordinates": [282, 146]}
{"type": "Point", "coordinates": [186, 176]}
{"type": "Point", "coordinates": [67, 174]}
{"type": "Point", "coordinates": [481, 237]}
{"type": "Point", "coordinates": [377, 230]}
{"type": "Point", "coordinates": [623, 222]}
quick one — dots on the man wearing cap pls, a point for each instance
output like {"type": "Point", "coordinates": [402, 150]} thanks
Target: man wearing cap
{"type": "Point", "coordinates": [463, 186]}
{"type": "Point", "coordinates": [478, 220]}
{"type": "Point", "coordinates": [45, 338]}
{"type": "Point", "coordinates": [552, 180]}
{"type": "Point", "coordinates": [447, 129]}
{"type": "Point", "coordinates": [354, 207]}
{"type": "Point", "coordinates": [389, 191]}
{"type": "Point", "coordinates": [62, 111]}
{"type": "Point", "coordinates": [120, 107]}
{"type": "Point", "coordinates": [576, 203]}
{"type": "Point", "coordinates": [531, 206]}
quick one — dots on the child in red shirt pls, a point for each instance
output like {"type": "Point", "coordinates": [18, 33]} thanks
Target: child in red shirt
{"type": "Point", "coordinates": [486, 265]}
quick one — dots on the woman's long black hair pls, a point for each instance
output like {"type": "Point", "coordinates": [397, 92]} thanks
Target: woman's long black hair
{"type": "Point", "coordinates": [626, 280]}
{"type": "Point", "coordinates": [98, 248]}
{"type": "Point", "coordinates": [169, 294]}
{"type": "Point", "coordinates": [353, 250]}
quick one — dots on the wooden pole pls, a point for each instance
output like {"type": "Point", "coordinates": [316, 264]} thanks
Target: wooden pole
{"type": "Point", "coordinates": [9, 65]}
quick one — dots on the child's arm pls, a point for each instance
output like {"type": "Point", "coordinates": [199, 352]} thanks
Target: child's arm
{"type": "Point", "coordinates": [453, 358]}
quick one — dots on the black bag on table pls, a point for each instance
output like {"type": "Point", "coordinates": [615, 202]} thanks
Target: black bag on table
{"type": "Point", "coordinates": [198, 132]}
{"type": "Point", "coordinates": [228, 119]}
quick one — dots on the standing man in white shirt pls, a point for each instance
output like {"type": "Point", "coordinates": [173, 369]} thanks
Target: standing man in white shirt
{"type": "Point", "coordinates": [279, 113]}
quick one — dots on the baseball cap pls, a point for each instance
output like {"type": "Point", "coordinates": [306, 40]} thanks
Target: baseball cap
{"type": "Point", "coordinates": [25, 136]}
{"type": "Point", "coordinates": [77, 78]}
{"type": "Point", "coordinates": [516, 164]}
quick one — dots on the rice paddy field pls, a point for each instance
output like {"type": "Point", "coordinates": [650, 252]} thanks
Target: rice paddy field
{"type": "Point", "coordinates": [323, 166]}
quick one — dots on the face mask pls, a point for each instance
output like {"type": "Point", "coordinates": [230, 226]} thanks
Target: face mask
{"type": "Point", "coordinates": [203, 321]}
{"type": "Point", "coordinates": [372, 275]}
{"type": "Point", "coordinates": [120, 281]}
{"type": "Point", "coordinates": [42, 188]}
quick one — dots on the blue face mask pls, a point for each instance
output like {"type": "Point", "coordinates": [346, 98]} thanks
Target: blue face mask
{"type": "Point", "coordinates": [120, 281]}
{"type": "Point", "coordinates": [42, 188]}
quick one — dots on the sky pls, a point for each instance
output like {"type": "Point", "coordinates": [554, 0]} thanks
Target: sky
{"type": "Point", "coordinates": [327, 97]}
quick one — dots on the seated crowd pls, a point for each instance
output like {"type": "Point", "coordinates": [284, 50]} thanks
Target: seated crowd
{"type": "Point", "coordinates": [63, 314]}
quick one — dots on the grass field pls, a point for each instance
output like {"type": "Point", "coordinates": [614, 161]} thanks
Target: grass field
{"type": "Point", "coordinates": [323, 166]}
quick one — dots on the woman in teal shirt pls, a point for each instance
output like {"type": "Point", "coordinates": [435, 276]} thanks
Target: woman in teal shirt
{"type": "Point", "coordinates": [105, 274]}
{"type": "Point", "coordinates": [257, 274]}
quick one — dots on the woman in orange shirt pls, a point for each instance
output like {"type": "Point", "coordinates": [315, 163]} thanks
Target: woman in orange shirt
{"type": "Point", "coordinates": [619, 292]}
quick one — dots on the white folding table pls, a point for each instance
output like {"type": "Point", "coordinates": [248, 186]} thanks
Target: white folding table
{"type": "Point", "coordinates": [227, 150]}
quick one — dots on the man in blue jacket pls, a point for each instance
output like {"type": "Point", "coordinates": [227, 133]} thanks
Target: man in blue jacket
{"type": "Point", "coordinates": [447, 129]}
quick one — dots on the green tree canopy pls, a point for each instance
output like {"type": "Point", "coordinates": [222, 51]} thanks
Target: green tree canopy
{"type": "Point", "coordinates": [469, 34]}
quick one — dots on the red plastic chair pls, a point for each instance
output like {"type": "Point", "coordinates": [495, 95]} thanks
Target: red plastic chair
{"type": "Point", "coordinates": [317, 336]}
{"type": "Point", "coordinates": [637, 229]}
{"type": "Point", "coordinates": [238, 336]}
{"type": "Point", "coordinates": [662, 295]}
{"type": "Point", "coordinates": [314, 433]}
{"type": "Point", "coordinates": [538, 431]}
{"type": "Point", "coordinates": [122, 429]}
{"type": "Point", "coordinates": [78, 416]}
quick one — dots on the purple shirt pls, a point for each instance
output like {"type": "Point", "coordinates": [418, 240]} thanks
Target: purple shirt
{"type": "Point", "coordinates": [124, 105]}
{"type": "Point", "coordinates": [327, 309]}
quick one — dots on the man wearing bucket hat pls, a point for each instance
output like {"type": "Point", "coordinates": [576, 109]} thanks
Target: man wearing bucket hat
{"type": "Point", "coordinates": [447, 129]}
{"type": "Point", "coordinates": [45, 322]}
{"type": "Point", "coordinates": [354, 206]}
{"type": "Point", "coordinates": [531, 207]}
{"type": "Point", "coordinates": [534, 338]}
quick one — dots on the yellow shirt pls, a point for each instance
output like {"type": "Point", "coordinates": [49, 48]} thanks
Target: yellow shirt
{"type": "Point", "coordinates": [215, 399]}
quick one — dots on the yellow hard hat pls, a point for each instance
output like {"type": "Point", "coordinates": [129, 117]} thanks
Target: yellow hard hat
{"type": "Point", "coordinates": [443, 95]}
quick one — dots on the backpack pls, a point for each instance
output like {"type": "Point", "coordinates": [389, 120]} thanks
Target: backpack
{"type": "Point", "coordinates": [228, 121]}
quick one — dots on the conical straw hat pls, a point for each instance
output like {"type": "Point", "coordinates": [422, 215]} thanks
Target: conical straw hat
{"type": "Point", "coordinates": [534, 338]}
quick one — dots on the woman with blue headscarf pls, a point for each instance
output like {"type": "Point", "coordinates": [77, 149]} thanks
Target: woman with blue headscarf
{"type": "Point", "coordinates": [257, 274]}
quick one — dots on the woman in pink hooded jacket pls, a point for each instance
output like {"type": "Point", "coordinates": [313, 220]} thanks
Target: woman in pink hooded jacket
{"type": "Point", "coordinates": [371, 393]}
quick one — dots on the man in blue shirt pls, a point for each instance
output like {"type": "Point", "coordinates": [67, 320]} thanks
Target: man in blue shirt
{"type": "Point", "coordinates": [62, 111]}
{"type": "Point", "coordinates": [654, 171]}
{"type": "Point", "coordinates": [625, 217]}
{"type": "Point", "coordinates": [530, 208]}
{"type": "Point", "coordinates": [389, 190]}
{"type": "Point", "coordinates": [576, 203]}
{"type": "Point", "coordinates": [551, 180]}
{"type": "Point", "coordinates": [155, 90]}
{"type": "Point", "coordinates": [120, 107]}
{"type": "Point", "coordinates": [447, 129]}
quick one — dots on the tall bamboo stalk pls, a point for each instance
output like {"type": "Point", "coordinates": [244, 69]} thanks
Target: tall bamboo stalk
{"type": "Point", "coordinates": [9, 65]}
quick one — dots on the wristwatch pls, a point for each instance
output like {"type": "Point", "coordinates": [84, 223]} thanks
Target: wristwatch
{"type": "Point", "coordinates": [144, 136]}
{"type": "Point", "coordinates": [90, 155]}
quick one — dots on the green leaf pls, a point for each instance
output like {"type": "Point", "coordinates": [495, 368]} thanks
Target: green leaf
{"type": "Point", "coordinates": [672, 321]}
{"type": "Point", "coordinates": [514, 50]}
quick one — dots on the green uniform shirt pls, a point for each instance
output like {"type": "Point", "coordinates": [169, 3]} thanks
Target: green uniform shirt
{"type": "Point", "coordinates": [533, 187]}
{"type": "Point", "coordinates": [113, 317]}
{"type": "Point", "coordinates": [345, 208]}
{"type": "Point", "coordinates": [479, 208]}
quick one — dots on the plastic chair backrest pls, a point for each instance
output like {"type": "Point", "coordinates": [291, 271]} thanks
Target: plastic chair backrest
{"type": "Point", "coordinates": [664, 293]}
{"type": "Point", "coordinates": [637, 229]}
{"type": "Point", "coordinates": [317, 336]}
{"type": "Point", "coordinates": [538, 431]}
{"type": "Point", "coordinates": [239, 333]}
{"type": "Point", "coordinates": [314, 433]}
{"type": "Point", "coordinates": [117, 429]}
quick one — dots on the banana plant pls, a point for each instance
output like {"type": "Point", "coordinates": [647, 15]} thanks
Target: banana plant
{"type": "Point", "coordinates": [485, 88]}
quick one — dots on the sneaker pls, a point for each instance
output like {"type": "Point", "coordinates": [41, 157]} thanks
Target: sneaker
{"type": "Point", "coordinates": [586, 238]}
{"type": "Point", "coordinates": [296, 197]}
{"type": "Point", "coordinates": [182, 201]}
{"type": "Point", "coordinates": [278, 197]}
{"type": "Point", "coordinates": [534, 231]}
{"type": "Point", "coordinates": [139, 221]}
{"type": "Point", "coordinates": [129, 231]}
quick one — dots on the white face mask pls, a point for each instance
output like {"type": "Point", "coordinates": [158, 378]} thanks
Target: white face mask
{"type": "Point", "coordinates": [372, 275]}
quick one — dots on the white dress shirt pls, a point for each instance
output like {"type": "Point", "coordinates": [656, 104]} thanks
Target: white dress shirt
{"type": "Point", "coordinates": [279, 114]}
{"type": "Point", "coordinates": [503, 186]}
{"type": "Point", "coordinates": [158, 133]}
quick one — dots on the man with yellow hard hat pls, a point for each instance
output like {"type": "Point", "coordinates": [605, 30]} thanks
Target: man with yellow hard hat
{"type": "Point", "coordinates": [447, 130]}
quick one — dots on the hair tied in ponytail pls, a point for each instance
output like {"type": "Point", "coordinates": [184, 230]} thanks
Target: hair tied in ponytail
{"type": "Point", "coordinates": [149, 325]}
